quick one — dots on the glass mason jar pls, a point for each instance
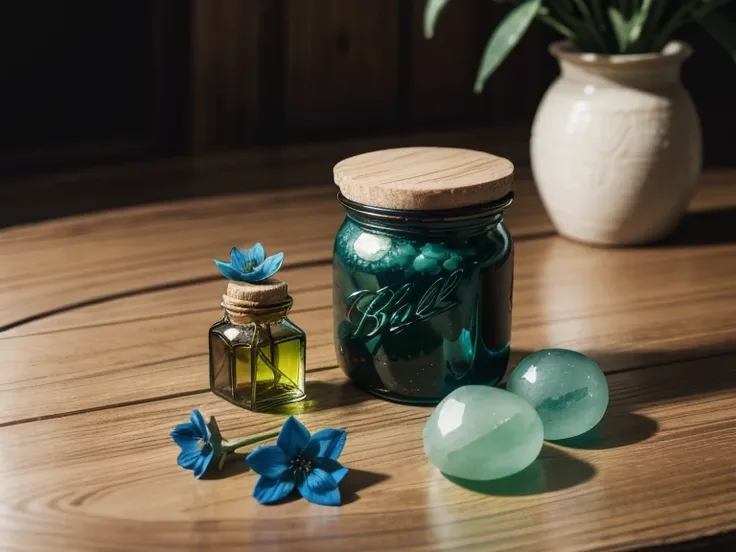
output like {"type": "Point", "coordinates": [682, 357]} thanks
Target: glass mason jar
{"type": "Point", "coordinates": [422, 299]}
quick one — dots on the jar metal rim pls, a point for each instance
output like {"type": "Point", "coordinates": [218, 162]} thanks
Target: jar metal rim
{"type": "Point", "coordinates": [445, 215]}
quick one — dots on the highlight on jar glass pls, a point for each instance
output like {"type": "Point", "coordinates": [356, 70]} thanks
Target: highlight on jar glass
{"type": "Point", "coordinates": [423, 271]}
{"type": "Point", "coordinates": [257, 355]}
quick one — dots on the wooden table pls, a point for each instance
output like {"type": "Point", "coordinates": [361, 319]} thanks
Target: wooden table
{"type": "Point", "coordinates": [103, 345]}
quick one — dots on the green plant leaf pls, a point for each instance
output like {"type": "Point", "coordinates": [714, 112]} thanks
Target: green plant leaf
{"type": "Point", "coordinates": [504, 38]}
{"type": "Point", "coordinates": [620, 28]}
{"type": "Point", "coordinates": [722, 29]}
{"type": "Point", "coordinates": [638, 20]}
{"type": "Point", "coordinates": [604, 25]}
{"type": "Point", "coordinates": [545, 17]}
{"type": "Point", "coordinates": [584, 37]}
{"type": "Point", "coordinates": [432, 11]}
{"type": "Point", "coordinates": [647, 34]}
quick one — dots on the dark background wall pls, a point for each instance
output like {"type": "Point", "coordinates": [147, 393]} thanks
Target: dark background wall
{"type": "Point", "coordinates": [94, 81]}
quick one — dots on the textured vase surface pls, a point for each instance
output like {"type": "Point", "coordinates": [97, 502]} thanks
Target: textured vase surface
{"type": "Point", "coordinates": [616, 145]}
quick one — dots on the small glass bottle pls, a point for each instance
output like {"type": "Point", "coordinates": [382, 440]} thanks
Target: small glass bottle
{"type": "Point", "coordinates": [257, 355]}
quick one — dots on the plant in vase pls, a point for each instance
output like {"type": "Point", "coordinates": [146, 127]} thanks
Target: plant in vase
{"type": "Point", "coordinates": [616, 142]}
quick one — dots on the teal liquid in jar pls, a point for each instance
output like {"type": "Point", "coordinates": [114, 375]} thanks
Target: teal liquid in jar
{"type": "Point", "coordinates": [422, 298]}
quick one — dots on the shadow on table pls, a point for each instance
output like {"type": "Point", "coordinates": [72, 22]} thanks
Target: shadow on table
{"type": "Point", "coordinates": [323, 395]}
{"type": "Point", "coordinates": [553, 470]}
{"type": "Point", "coordinates": [235, 464]}
{"type": "Point", "coordinates": [354, 482]}
{"type": "Point", "coordinates": [350, 487]}
{"type": "Point", "coordinates": [721, 542]}
{"type": "Point", "coordinates": [703, 228]}
{"type": "Point", "coordinates": [652, 376]}
{"type": "Point", "coordinates": [358, 480]}
{"type": "Point", "coordinates": [616, 429]}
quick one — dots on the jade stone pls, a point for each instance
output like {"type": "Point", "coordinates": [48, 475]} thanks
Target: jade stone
{"type": "Point", "coordinates": [567, 389]}
{"type": "Point", "coordinates": [479, 432]}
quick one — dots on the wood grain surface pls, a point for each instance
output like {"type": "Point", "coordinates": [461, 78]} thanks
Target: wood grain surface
{"type": "Point", "coordinates": [103, 347]}
{"type": "Point", "coordinates": [228, 81]}
{"type": "Point", "coordinates": [341, 66]}
{"type": "Point", "coordinates": [422, 178]}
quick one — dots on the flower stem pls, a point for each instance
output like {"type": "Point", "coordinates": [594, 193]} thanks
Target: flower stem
{"type": "Point", "coordinates": [234, 444]}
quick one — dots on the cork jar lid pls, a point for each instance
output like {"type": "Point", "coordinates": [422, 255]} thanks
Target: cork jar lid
{"type": "Point", "coordinates": [424, 178]}
{"type": "Point", "coordinates": [244, 296]}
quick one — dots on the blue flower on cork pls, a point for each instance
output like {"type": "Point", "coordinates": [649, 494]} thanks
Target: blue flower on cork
{"type": "Point", "coordinates": [300, 461]}
{"type": "Point", "coordinates": [250, 265]}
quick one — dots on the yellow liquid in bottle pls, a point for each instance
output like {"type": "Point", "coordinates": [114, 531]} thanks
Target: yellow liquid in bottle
{"type": "Point", "coordinates": [279, 380]}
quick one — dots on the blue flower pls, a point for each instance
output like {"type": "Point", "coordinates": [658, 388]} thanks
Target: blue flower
{"type": "Point", "coordinates": [250, 265]}
{"type": "Point", "coordinates": [199, 443]}
{"type": "Point", "coordinates": [302, 461]}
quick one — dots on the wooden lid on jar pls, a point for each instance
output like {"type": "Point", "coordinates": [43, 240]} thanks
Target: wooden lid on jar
{"type": "Point", "coordinates": [424, 179]}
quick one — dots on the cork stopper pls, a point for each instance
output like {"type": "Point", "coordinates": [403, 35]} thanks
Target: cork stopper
{"type": "Point", "coordinates": [245, 302]}
{"type": "Point", "coordinates": [424, 178]}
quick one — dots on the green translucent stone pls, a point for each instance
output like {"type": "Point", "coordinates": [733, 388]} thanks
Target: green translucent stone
{"type": "Point", "coordinates": [567, 389]}
{"type": "Point", "coordinates": [481, 433]}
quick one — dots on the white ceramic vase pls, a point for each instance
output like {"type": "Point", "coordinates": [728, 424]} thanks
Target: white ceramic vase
{"type": "Point", "coordinates": [616, 145]}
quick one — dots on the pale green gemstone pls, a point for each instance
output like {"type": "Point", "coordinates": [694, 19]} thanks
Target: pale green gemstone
{"type": "Point", "coordinates": [480, 432]}
{"type": "Point", "coordinates": [567, 389]}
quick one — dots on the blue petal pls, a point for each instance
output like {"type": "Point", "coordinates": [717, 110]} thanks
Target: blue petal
{"type": "Point", "coordinates": [198, 420]}
{"type": "Point", "coordinates": [269, 461]}
{"type": "Point", "coordinates": [268, 491]}
{"type": "Point", "coordinates": [293, 437]}
{"type": "Point", "coordinates": [271, 266]}
{"type": "Point", "coordinates": [188, 458]}
{"type": "Point", "coordinates": [333, 467]}
{"type": "Point", "coordinates": [256, 254]}
{"type": "Point", "coordinates": [256, 275]}
{"type": "Point", "coordinates": [265, 270]}
{"type": "Point", "coordinates": [326, 443]}
{"type": "Point", "coordinates": [319, 487]}
{"type": "Point", "coordinates": [202, 464]}
{"type": "Point", "coordinates": [229, 272]}
{"type": "Point", "coordinates": [184, 432]}
{"type": "Point", "coordinates": [238, 258]}
{"type": "Point", "coordinates": [186, 442]}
